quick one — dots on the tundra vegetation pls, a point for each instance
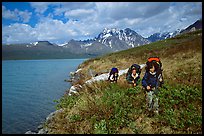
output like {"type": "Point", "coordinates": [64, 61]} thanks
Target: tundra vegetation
{"type": "Point", "coordinates": [110, 108]}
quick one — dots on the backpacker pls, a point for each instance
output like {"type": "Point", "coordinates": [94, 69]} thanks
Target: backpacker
{"type": "Point", "coordinates": [159, 67]}
{"type": "Point", "coordinates": [113, 75]}
{"type": "Point", "coordinates": [138, 69]}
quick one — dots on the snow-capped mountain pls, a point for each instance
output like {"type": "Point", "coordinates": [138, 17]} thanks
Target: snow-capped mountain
{"type": "Point", "coordinates": [161, 36]}
{"type": "Point", "coordinates": [130, 37]}
{"type": "Point", "coordinates": [109, 40]}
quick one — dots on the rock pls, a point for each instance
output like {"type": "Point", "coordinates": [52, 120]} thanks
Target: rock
{"type": "Point", "coordinates": [42, 131]}
{"type": "Point", "coordinates": [50, 116]}
{"type": "Point", "coordinates": [74, 89]}
{"type": "Point", "coordinates": [68, 80]}
{"type": "Point", "coordinates": [30, 132]}
{"type": "Point", "coordinates": [40, 126]}
{"type": "Point", "coordinates": [72, 73]}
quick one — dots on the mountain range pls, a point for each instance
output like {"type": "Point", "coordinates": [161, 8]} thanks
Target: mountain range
{"type": "Point", "coordinates": [109, 40]}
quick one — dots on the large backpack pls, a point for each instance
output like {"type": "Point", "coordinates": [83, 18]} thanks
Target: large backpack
{"type": "Point", "coordinates": [154, 60]}
{"type": "Point", "coordinates": [113, 71]}
{"type": "Point", "coordinates": [138, 69]}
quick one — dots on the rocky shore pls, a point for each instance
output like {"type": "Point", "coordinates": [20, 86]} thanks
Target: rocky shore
{"type": "Point", "coordinates": [44, 130]}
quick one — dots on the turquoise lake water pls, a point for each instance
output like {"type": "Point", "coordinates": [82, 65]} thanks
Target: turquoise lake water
{"type": "Point", "coordinates": [28, 90]}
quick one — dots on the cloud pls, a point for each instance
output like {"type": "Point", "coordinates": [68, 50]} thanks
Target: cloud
{"type": "Point", "coordinates": [130, 10]}
{"type": "Point", "coordinates": [79, 13]}
{"type": "Point", "coordinates": [25, 16]}
{"type": "Point", "coordinates": [40, 7]}
{"type": "Point", "coordinates": [48, 29]}
{"type": "Point", "coordinates": [88, 19]}
{"type": "Point", "coordinates": [7, 14]}
{"type": "Point", "coordinates": [68, 6]}
{"type": "Point", "coordinates": [18, 33]}
{"type": "Point", "coordinates": [16, 15]}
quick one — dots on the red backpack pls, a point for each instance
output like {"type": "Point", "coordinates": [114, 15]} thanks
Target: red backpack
{"type": "Point", "coordinates": [154, 59]}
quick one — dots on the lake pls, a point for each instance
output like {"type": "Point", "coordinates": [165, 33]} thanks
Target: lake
{"type": "Point", "coordinates": [29, 88]}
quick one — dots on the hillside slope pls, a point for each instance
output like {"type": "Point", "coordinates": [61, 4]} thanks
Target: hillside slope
{"type": "Point", "coordinates": [102, 107]}
{"type": "Point", "coordinates": [181, 57]}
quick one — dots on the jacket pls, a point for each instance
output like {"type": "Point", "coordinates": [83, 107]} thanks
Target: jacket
{"type": "Point", "coordinates": [130, 78]}
{"type": "Point", "coordinates": [150, 80]}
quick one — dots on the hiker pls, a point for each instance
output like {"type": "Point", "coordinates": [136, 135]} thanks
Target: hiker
{"type": "Point", "coordinates": [151, 83]}
{"type": "Point", "coordinates": [113, 75]}
{"type": "Point", "coordinates": [158, 66]}
{"type": "Point", "coordinates": [133, 75]}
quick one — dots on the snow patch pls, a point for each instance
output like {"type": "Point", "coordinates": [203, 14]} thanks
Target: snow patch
{"type": "Point", "coordinates": [86, 45]}
{"type": "Point", "coordinates": [98, 78]}
{"type": "Point", "coordinates": [107, 35]}
{"type": "Point", "coordinates": [121, 72]}
{"type": "Point", "coordinates": [110, 44]}
{"type": "Point", "coordinates": [62, 44]}
{"type": "Point", "coordinates": [105, 76]}
{"type": "Point", "coordinates": [35, 43]}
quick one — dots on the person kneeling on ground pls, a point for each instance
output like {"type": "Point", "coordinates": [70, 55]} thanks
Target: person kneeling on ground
{"type": "Point", "coordinates": [151, 82]}
{"type": "Point", "coordinates": [113, 75]}
{"type": "Point", "coordinates": [133, 75]}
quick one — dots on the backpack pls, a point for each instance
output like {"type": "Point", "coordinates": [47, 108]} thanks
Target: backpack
{"type": "Point", "coordinates": [113, 70]}
{"type": "Point", "coordinates": [138, 69]}
{"type": "Point", "coordinates": [154, 60]}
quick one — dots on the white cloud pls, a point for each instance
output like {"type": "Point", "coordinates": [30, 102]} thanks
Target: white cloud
{"type": "Point", "coordinates": [7, 14]}
{"type": "Point", "coordinates": [145, 18]}
{"type": "Point", "coordinates": [18, 33]}
{"type": "Point", "coordinates": [16, 15]}
{"type": "Point", "coordinates": [79, 13]}
{"type": "Point", "coordinates": [25, 15]}
{"type": "Point", "coordinates": [48, 29]}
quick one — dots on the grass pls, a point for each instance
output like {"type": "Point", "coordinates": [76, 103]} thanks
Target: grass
{"type": "Point", "coordinates": [109, 108]}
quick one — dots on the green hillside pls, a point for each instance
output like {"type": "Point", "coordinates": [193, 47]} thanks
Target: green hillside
{"type": "Point", "coordinates": [103, 107]}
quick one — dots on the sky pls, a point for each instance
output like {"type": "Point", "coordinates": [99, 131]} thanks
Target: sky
{"type": "Point", "coordinates": [59, 22]}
